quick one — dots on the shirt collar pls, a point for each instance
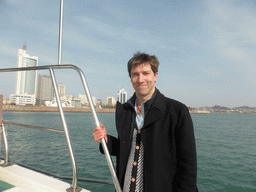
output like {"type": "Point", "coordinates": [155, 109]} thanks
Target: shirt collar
{"type": "Point", "coordinates": [147, 104]}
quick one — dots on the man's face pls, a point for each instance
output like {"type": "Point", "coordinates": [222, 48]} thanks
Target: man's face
{"type": "Point", "coordinates": [143, 80]}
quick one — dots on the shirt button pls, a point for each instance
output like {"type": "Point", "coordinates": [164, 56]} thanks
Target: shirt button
{"type": "Point", "coordinates": [139, 131]}
{"type": "Point", "coordinates": [134, 163]}
{"type": "Point", "coordinates": [137, 147]}
{"type": "Point", "coordinates": [133, 179]}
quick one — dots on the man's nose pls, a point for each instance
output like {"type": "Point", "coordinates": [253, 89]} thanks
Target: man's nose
{"type": "Point", "coordinates": [140, 78]}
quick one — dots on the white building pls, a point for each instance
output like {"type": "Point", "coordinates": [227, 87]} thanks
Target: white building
{"type": "Point", "coordinates": [83, 99]}
{"type": "Point", "coordinates": [122, 96]}
{"type": "Point", "coordinates": [62, 90]}
{"type": "Point", "coordinates": [26, 81]}
{"type": "Point", "coordinates": [6, 101]}
{"type": "Point", "coordinates": [22, 99]}
{"type": "Point", "coordinates": [94, 100]}
{"type": "Point", "coordinates": [111, 102]}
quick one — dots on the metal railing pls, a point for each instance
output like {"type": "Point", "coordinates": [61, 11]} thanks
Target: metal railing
{"type": "Point", "coordinates": [74, 187]}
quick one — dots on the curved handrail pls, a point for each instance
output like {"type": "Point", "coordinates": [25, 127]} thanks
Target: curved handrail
{"type": "Point", "coordinates": [96, 120]}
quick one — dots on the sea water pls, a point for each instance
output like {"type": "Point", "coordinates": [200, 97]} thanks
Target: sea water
{"type": "Point", "coordinates": [226, 148]}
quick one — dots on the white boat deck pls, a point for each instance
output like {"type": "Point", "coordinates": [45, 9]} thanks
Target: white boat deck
{"type": "Point", "coordinates": [25, 180]}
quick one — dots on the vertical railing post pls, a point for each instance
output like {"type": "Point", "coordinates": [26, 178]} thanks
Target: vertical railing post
{"type": "Point", "coordinates": [74, 187]}
{"type": "Point", "coordinates": [103, 142]}
{"type": "Point", "coordinates": [1, 120]}
{"type": "Point", "coordinates": [60, 33]}
{"type": "Point", "coordinates": [6, 159]}
{"type": "Point", "coordinates": [1, 109]}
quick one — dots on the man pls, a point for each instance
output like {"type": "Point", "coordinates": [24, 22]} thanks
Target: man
{"type": "Point", "coordinates": [155, 147]}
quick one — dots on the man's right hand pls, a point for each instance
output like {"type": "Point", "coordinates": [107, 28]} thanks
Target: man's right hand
{"type": "Point", "coordinates": [99, 133]}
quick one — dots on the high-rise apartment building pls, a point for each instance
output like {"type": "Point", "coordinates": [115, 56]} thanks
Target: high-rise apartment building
{"type": "Point", "coordinates": [111, 102]}
{"type": "Point", "coordinates": [62, 90]}
{"type": "Point", "coordinates": [122, 96]}
{"type": "Point", "coordinates": [44, 89]}
{"type": "Point", "coordinates": [25, 80]}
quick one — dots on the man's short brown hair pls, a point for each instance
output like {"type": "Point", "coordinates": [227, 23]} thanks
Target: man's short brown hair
{"type": "Point", "coordinates": [141, 58]}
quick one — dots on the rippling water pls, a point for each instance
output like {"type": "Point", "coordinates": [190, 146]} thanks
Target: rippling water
{"type": "Point", "coordinates": [226, 149]}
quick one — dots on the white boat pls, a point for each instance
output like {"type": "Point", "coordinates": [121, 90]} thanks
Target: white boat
{"type": "Point", "coordinates": [20, 178]}
{"type": "Point", "coordinates": [15, 178]}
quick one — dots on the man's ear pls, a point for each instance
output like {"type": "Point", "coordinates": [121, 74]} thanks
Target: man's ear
{"type": "Point", "coordinates": [156, 75]}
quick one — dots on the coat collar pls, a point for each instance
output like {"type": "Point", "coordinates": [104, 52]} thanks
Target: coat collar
{"type": "Point", "coordinates": [147, 105]}
{"type": "Point", "coordinates": [154, 107]}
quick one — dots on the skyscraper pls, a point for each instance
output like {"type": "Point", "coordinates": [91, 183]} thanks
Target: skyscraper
{"type": "Point", "coordinates": [122, 96]}
{"type": "Point", "coordinates": [25, 80]}
{"type": "Point", "coordinates": [44, 89]}
{"type": "Point", "coordinates": [62, 90]}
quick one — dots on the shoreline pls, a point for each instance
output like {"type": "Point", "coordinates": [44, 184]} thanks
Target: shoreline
{"type": "Point", "coordinates": [16, 108]}
{"type": "Point", "coordinates": [22, 108]}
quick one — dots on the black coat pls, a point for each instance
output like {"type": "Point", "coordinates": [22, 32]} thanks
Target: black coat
{"type": "Point", "coordinates": [169, 145]}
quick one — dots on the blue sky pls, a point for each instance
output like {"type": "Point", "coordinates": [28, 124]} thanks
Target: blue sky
{"type": "Point", "coordinates": [206, 48]}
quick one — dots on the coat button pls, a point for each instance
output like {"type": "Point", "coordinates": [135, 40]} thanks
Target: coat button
{"type": "Point", "coordinates": [134, 163]}
{"type": "Point", "coordinates": [139, 131]}
{"type": "Point", "coordinates": [137, 147]}
{"type": "Point", "coordinates": [133, 179]}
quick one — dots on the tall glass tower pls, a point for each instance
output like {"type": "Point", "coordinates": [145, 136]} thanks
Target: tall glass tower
{"type": "Point", "coordinates": [122, 96]}
{"type": "Point", "coordinates": [26, 81]}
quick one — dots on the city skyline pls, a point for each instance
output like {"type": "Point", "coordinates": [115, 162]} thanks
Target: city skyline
{"type": "Point", "coordinates": [206, 48]}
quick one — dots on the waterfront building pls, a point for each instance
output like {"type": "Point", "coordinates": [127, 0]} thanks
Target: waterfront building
{"type": "Point", "coordinates": [6, 101]}
{"type": "Point", "coordinates": [44, 89]}
{"type": "Point", "coordinates": [111, 102]}
{"type": "Point", "coordinates": [75, 102]}
{"type": "Point", "coordinates": [83, 99]}
{"type": "Point", "coordinates": [22, 99]}
{"type": "Point", "coordinates": [26, 81]}
{"type": "Point", "coordinates": [99, 103]}
{"type": "Point", "coordinates": [62, 90]}
{"type": "Point", "coordinates": [122, 96]}
{"type": "Point", "coordinates": [94, 100]}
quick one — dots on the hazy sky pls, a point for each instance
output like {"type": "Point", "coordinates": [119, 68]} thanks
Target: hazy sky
{"type": "Point", "coordinates": [206, 48]}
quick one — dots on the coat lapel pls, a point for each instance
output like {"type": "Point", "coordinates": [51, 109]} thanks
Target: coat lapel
{"type": "Point", "coordinates": [123, 120]}
{"type": "Point", "coordinates": [156, 111]}
{"type": "Point", "coordinates": [152, 116]}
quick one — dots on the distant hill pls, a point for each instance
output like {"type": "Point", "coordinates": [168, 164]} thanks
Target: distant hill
{"type": "Point", "coordinates": [244, 108]}
{"type": "Point", "coordinates": [217, 107]}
